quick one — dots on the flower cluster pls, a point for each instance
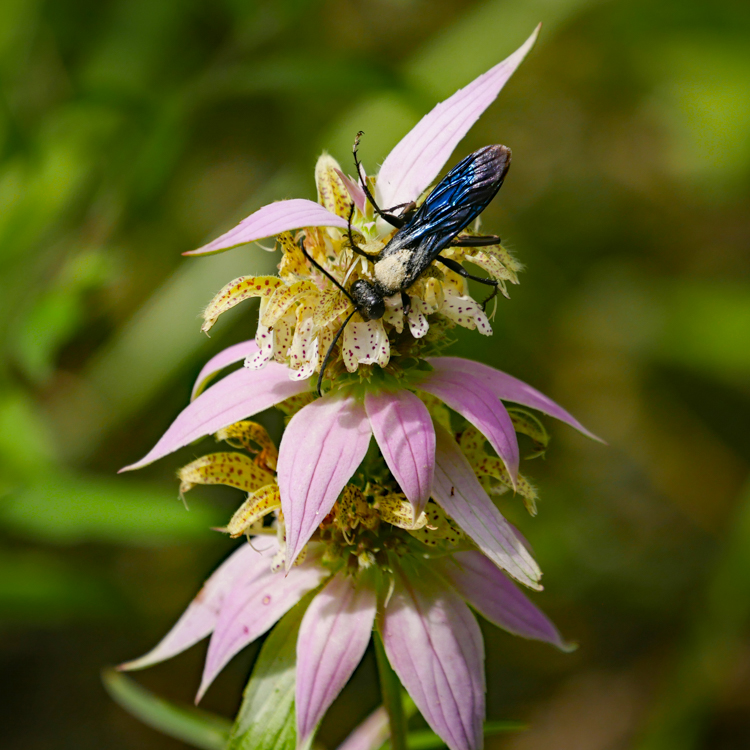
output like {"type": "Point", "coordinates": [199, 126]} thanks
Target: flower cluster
{"type": "Point", "coordinates": [376, 560]}
{"type": "Point", "coordinates": [301, 312]}
{"type": "Point", "coordinates": [403, 539]}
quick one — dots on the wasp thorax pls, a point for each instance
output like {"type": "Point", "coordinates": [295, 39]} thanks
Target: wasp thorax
{"type": "Point", "coordinates": [367, 300]}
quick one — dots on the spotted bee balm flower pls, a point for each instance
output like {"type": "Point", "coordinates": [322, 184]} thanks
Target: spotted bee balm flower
{"type": "Point", "coordinates": [402, 540]}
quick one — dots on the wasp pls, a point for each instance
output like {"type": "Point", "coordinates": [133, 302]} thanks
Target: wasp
{"type": "Point", "coordinates": [423, 232]}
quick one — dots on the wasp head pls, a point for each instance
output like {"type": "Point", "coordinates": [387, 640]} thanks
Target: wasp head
{"type": "Point", "coordinates": [368, 301]}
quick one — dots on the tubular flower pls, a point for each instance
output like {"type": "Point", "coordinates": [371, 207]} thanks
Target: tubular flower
{"type": "Point", "coordinates": [405, 538]}
{"type": "Point", "coordinates": [373, 562]}
{"type": "Point", "coordinates": [327, 439]}
{"type": "Point", "coordinates": [301, 311]}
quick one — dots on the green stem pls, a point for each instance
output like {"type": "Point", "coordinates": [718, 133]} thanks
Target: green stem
{"type": "Point", "coordinates": [390, 689]}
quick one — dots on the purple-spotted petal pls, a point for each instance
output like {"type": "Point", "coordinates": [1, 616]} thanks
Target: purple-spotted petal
{"type": "Point", "coordinates": [320, 450]}
{"type": "Point", "coordinates": [403, 428]}
{"type": "Point", "coordinates": [457, 490]}
{"type": "Point", "coordinates": [237, 396]}
{"type": "Point", "coordinates": [486, 588]}
{"type": "Point", "coordinates": [255, 603]}
{"type": "Point", "coordinates": [228, 356]}
{"type": "Point", "coordinates": [433, 643]}
{"type": "Point", "coordinates": [370, 734]}
{"type": "Point", "coordinates": [332, 640]}
{"type": "Point", "coordinates": [508, 388]}
{"type": "Point", "coordinates": [199, 619]}
{"type": "Point", "coordinates": [421, 154]}
{"type": "Point", "coordinates": [473, 399]}
{"type": "Point", "coordinates": [271, 220]}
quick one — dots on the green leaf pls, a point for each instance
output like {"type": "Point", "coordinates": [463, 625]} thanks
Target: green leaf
{"type": "Point", "coordinates": [266, 720]}
{"type": "Point", "coordinates": [391, 692]}
{"type": "Point", "coordinates": [58, 312]}
{"type": "Point", "coordinates": [191, 725]}
{"type": "Point", "coordinates": [27, 445]}
{"type": "Point", "coordinates": [69, 509]}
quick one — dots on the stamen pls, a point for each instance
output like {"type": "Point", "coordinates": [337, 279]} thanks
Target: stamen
{"type": "Point", "coordinates": [351, 268]}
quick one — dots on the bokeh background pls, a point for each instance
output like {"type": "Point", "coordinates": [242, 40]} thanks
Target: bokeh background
{"type": "Point", "coordinates": [133, 130]}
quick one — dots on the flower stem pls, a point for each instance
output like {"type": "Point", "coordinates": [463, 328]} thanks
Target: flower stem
{"type": "Point", "coordinates": [390, 689]}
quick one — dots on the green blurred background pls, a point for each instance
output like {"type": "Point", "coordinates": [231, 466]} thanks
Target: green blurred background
{"type": "Point", "coordinates": [133, 130]}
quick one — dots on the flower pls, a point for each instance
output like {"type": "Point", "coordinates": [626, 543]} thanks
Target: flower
{"type": "Point", "coordinates": [300, 312]}
{"type": "Point", "coordinates": [327, 439]}
{"type": "Point", "coordinates": [463, 543]}
{"type": "Point", "coordinates": [406, 539]}
{"type": "Point", "coordinates": [370, 564]}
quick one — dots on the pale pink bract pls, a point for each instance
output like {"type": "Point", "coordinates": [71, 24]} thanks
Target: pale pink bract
{"type": "Point", "coordinates": [408, 170]}
{"type": "Point", "coordinates": [431, 638]}
{"type": "Point", "coordinates": [326, 440]}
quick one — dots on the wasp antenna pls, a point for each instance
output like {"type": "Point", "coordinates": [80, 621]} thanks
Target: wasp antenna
{"type": "Point", "coordinates": [323, 271]}
{"type": "Point", "coordinates": [330, 350]}
{"type": "Point", "coordinates": [394, 221]}
{"type": "Point", "coordinates": [358, 166]}
{"type": "Point", "coordinates": [354, 246]}
{"type": "Point", "coordinates": [491, 297]}
{"type": "Point", "coordinates": [351, 270]}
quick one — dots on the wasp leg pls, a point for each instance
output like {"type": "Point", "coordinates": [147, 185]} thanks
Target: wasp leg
{"type": "Point", "coordinates": [405, 302]}
{"type": "Point", "coordinates": [324, 272]}
{"type": "Point", "coordinates": [392, 219]}
{"type": "Point", "coordinates": [327, 358]}
{"type": "Point", "coordinates": [476, 241]}
{"type": "Point", "coordinates": [461, 271]}
{"type": "Point", "coordinates": [407, 210]}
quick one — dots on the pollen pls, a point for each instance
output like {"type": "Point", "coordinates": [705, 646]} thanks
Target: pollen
{"type": "Point", "coordinates": [391, 271]}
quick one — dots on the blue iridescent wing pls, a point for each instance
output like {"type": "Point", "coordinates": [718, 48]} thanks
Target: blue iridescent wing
{"type": "Point", "coordinates": [456, 201]}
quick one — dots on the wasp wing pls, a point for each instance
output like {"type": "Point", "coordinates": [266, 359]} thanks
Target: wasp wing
{"type": "Point", "coordinates": [455, 202]}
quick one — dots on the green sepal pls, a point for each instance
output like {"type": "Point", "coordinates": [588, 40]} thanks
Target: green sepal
{"type": "Point", "coordinates": [266, 719]}
{"type": "Point", "coordinates": [526, 423]}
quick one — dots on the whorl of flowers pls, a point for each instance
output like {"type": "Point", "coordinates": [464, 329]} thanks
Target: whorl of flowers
{"type": "Point", "coordinates": [403, 539]}
{"type": "Point", "coordinates": [301, 311]}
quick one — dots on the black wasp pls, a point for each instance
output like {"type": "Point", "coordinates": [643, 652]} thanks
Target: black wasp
{"type": "Point", "coordinates": [423, 233]}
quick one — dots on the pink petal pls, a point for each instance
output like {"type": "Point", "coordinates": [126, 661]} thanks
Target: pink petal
{"type": "Point", "coordinates": [200, 617]}
{"type": "Point", "coordinates": [457, 490]}
{"type": "Point", "coordinates": [223, 359]}
{"type": "Point", "coordinates": [370, 734]}
{"type": "Point", "coordinates": [435, 647]}
{"type": "Point", "coordinates": [421, 154]}
{"type": "Point", "coordinates": [486, 588]}
{"type": "Point", "coordinates": [403, 428]}
{"type": "Point", "coordinates": [355, 191]}
{"type": "Point", "coordinates": [272, 220]}
{"type": "Point", "coordinates": [332, 640]}
{"type": "Point", "coordinates": [237, 396]}
{"type": "Point", "coordinates": [508, 388]}
{"type": "Point", "coordinates": [321, 448]}
{"type": "Point", "coordinates": [473, 399]}
{"type": "Point", "coordinates": [255, 603]}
